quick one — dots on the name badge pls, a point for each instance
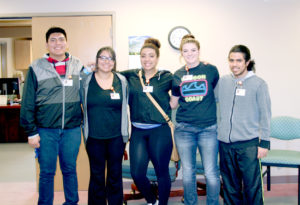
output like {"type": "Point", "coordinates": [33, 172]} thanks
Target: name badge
{"type": "Point", "coordinates": [240, 92]}
{"type": "Point", "coordinates": [148, 89]}
{"type": "Point", "coordinates": [187, 77]}
{"type": "Point", "coordinates": [115, 96]}
{"type": "Point", "coordinates": [68, 82]}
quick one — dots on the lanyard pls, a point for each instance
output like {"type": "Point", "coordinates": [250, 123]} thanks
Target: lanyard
{"type": "Point", "coordinates": [187, 69]}
{"type": "Point", "coordinates": [112, 89]}
{"type": "Point", "coordinates": [147, 82]}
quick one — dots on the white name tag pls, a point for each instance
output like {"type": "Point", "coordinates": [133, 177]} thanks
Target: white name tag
{"type": "Point", "coordinates": [187, 77]}
{"type": "Point", "coordinates": [115, 96]}
{"type": "Point", "coordinates": [240, 92]}
{"type": "Point", "coordinates": [68, 82]}
{"type": "Point", "coordinates": [148, 89]}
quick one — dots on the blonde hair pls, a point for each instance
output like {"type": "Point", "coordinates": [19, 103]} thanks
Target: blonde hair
{"type": "Point", "coordinates": [189, 38]}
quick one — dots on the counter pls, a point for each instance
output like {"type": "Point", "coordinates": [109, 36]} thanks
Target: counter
{"type": "Point", "coordinates": [10, 129]}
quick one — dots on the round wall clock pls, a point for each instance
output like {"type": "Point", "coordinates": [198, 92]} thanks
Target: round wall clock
{"type": "Point", "coordinates": [175, 36]}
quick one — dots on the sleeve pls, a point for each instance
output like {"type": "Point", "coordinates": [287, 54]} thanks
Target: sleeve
{"type": "Point", "coordinates": [28, 106]}
{"type": "Point", "coordinates": [82, 78]}
{"type": "Point", "coordinates": [264, 104]}
{"type": "Point", "coordinates": [216, 91]}
{"type": "Point", "coordinates": [127, 73]}
{"type": "Point", "coordinates": [216, 79]}
{"type": "Point", "coordinates": [170, 80]}
{"type": "Point", "coordinates": [175, 85]}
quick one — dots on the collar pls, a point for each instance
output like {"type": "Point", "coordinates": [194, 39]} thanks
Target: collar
{"type": "Point", "coordinates": [249, 74]}
{"type": "Point", "coordinates": [51, 60]}
{"type": "Point", "coordinates": [157, 74]}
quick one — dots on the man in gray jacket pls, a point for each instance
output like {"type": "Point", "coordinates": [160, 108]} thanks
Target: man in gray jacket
{"type": "Point", "coordinates": [51, 115]}
{"type": "Point", "coordinates": [244, 128]}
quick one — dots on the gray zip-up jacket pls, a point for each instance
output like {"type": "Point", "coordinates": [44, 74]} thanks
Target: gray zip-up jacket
{"type": "Point", "coordinates": [47, 102]}
{"type": "Point", "coordinates": [86, 78]}
{"type": "Point", "coordinates": [244, 109]}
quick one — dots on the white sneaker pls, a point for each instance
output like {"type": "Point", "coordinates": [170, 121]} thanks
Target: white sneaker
{"type": "Point", "coordinates": [156, 203]}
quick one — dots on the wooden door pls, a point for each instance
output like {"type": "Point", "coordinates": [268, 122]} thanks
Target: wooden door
{"type": "Point", "coordinates": [85, 36]}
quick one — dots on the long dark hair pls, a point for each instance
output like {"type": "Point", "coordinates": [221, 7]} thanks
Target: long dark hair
{"type": "Point", "coordinates": [247, 56]}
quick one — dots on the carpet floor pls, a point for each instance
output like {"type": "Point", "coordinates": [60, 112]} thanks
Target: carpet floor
{"type": "Point", "coordinates": [18, 182]}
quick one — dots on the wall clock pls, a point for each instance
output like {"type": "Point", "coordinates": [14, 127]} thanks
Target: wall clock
{"type": "Point", "coordinates": [175, 36]}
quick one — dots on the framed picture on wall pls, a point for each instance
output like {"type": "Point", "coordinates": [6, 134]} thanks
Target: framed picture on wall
{"type": "Point", "coordinates": [135, 45]}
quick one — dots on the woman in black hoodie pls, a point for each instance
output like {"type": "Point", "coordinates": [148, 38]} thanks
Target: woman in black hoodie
{"type": "Point", "coordinates": [151, 135]}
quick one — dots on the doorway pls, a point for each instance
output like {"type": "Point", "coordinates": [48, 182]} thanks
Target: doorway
{"type": "Point", "coordinates": [86, 33]}
{"type": "Point", "coordinates": [3, 66]}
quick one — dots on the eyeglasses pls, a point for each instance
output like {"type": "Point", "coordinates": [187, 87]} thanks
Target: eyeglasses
{"type": "Point", "coordinates": [106, 58]}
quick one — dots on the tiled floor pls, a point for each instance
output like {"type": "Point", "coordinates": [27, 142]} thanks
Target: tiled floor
{"type": "Point", "coordinates": [18, 187]}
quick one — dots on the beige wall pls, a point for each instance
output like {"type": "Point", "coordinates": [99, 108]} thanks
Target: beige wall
{"type": "Point", "coordinates": [270, 28]}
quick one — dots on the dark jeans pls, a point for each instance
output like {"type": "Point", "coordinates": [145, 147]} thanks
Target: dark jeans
{"type": "Point", "coordinates": [64, 143]}
{"type": "Point", "coordinates": [105, 153]}
{"type": "Point", "coordinates": [241, 174]}
{"type": "Point", "coordinates": [155, 145]}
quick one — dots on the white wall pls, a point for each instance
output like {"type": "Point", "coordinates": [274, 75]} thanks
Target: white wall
{"type": "Point", "coordinates": [270, 28]}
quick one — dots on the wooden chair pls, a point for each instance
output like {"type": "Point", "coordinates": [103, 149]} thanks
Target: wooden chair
{"type": "Point", "coordinates": [283, 128]}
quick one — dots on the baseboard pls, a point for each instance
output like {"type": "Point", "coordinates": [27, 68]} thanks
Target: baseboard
{"type": "Point", "coordinates": [291, 179]}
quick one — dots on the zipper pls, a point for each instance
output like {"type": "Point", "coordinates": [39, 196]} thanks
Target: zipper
{"type": "Point", "coordinates": [233, 102]}
{"type": "Point", "coordinates": [63, 93]}
{"type": "Point", "coordinates": [63, 108]}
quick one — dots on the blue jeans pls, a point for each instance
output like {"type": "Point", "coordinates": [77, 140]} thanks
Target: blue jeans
{"type": "Point", "coordinates": [64, 143]}
{"type": "Point", "coordinates": [188, 137]}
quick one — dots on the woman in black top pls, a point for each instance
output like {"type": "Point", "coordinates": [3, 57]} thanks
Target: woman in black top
{"type": "Point", "coordinates": [193, 90]}
{"type": "Point", "coordinates": [151, 135]}
{"type": "Point", "coordinates": [104, 96]}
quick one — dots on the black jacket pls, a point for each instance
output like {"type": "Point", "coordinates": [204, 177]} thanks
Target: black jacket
{"type": "Point", "coordinates": [142, 109]}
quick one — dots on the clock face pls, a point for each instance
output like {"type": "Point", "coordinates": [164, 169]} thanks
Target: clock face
{"type": "Point", "coordinates": [176, 35]}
